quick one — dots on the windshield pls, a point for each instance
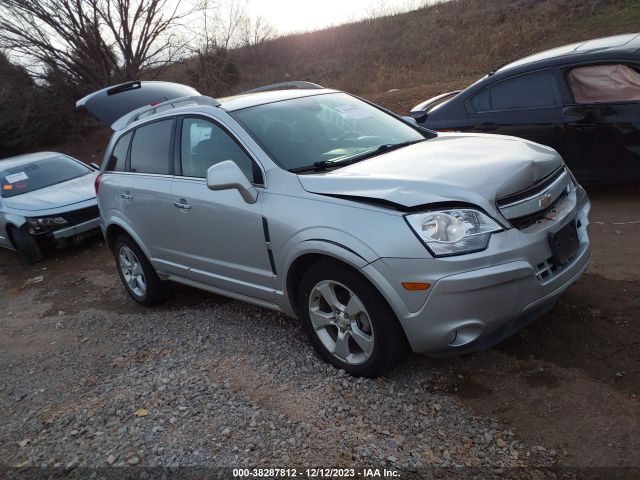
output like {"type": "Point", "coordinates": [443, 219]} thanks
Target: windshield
{"type": "Point", "coordinates": [331, 128]}
{"type": "Point", "coordinates": [39, 174]}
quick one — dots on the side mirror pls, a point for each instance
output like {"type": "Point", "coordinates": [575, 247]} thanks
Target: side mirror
{"type": "Point", "coordinates": [418, 116]}
{"type": "Point", "coordinates": [227, 175]}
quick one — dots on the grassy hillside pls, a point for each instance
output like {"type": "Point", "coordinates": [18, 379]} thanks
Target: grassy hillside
{"type": "Point", "coordinates": [421, 53]}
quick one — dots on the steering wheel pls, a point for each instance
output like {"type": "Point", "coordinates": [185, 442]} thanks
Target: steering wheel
{"type": "Point", "coordinates": [350, 133]}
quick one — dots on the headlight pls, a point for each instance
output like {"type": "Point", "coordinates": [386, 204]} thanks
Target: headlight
{"type": "Point", "coordinates": [453, 232]}
{"type": "Point", "coordinates": [46, 222]}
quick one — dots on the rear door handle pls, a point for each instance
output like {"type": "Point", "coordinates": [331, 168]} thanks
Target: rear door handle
{"type": "Point", "coordinates": [182, 203]}
{"type": "Point", "coordinates": [486, 127]}
{"type": "Point", "coordinates": [126, 196]}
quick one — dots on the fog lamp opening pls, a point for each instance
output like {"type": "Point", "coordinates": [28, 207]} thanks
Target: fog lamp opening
{"type": "Point", "coordinates": [416, 286]}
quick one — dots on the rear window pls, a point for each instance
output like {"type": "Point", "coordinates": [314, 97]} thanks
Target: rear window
{"type": "Point", "coordinates": [118, 157]}
{"type": "Point", "coordinates": [40, 174]}
{"type": "Point", "coordinates": [151, 148]}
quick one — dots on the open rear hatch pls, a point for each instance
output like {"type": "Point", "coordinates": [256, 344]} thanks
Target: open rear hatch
{"type": "Point", "coordinates": [111, 103]}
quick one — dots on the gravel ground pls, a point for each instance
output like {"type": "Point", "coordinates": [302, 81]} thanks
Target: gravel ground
{"type": "Point", "coordinates": [88, 378]}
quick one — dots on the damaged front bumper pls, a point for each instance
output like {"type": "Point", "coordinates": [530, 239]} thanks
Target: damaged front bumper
{"type": "Point", "coordinates": [478, 300]}
{"type": "Point", "coordinates": [78, 232]}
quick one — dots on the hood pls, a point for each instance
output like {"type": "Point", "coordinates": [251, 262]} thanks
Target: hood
{"type": "Point", "coordinates": [470, 168]}
{"type": "Point", "coordinates": [56, 196]}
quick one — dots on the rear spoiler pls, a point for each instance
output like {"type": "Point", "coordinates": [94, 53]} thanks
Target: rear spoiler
{"type": "Point", "coordinates": [419, 112]}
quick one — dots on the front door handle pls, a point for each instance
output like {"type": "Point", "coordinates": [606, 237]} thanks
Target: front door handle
{"type": "Point", "coordinates": [126, 196]}
{"type": "Point", "coordinates": [182, 203]}
{"type": "Point", "coordinates": [584, 127]}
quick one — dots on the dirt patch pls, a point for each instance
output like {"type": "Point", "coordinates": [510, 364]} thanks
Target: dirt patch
{"type": "Point", "coordinates": [568, 384]}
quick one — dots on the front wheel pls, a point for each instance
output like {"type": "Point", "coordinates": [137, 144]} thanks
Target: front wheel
{"type": "Point", "coordinates": [27, 245]}
{"type": "Point", "coordinates": [347, 320]}
{"type": "Point", "coordinates": [137, 273]}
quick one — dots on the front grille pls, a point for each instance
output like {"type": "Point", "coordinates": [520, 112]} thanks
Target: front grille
{"type": "Point", "coordinates": [542, 201]}
{"type": "Point", "coordinates": [531, 191]}
{"type": "Point", "coordinates": [526, 221]}
{"type": "Point", "coordinates": [79, 216]}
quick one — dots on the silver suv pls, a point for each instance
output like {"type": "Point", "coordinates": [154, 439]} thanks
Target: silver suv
{"type": "Point", "coordinates": [378, 235]}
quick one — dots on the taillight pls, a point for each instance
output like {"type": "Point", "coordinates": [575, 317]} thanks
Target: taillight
{"type": "Point", "coordinates": [96, 183]}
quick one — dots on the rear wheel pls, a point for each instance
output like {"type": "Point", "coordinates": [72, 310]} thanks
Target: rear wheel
{"type": "Point", "coordinates": [27, 245]}
{"type": "Point", "coordinates": [137, 274]}
{"type": "Point", "coordinates": [347, 320]}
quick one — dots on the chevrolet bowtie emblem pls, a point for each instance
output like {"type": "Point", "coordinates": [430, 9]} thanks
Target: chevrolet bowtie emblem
{"type": "Point", "coordinates": [545, 200]}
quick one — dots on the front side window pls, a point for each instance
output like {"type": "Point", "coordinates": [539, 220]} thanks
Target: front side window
{"type": "Point", "coordinates": [40, 174]}
{"type": "Point", "coordinates": [533, 90]}
{"type": "Point", "coordinates": [118, 157]}
{"type": "Point", "coordinates": [334, 127]}
{"type": "Point", "coordinates": [605, 84]}
{"type": "Point", "coordinates": [203, 144]}
{"type": "Point", "coordinates": [151, 148]}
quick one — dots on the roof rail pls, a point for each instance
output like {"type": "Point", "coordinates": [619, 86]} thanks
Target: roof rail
{"type": "Point", "coordinates": [285, 86]}
{"type": "Point", "coordinates": [148, 110]}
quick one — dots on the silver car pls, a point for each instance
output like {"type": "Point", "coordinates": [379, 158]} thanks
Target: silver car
{"type": "Point", "coordinates": [47, 199]}
{"type": "Point", "coordinates": [378, 235]}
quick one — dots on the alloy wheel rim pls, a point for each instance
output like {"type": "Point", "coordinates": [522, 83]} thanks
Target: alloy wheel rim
{"type": "Point", "coordinates": [341, 322]}
{"type": "Point", "coordinates": [132, 271]}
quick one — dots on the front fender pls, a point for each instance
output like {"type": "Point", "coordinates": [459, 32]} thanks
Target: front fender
{"type": "Point", "coordinates": [333, 243]}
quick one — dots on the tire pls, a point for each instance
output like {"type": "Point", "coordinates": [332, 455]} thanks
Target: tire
{"type": "Point", "coordinates": [137, 274]}
{"type": "Point", "coordinates": [27, 245]}
{"type": "Point", "coordinates": [355, 330]}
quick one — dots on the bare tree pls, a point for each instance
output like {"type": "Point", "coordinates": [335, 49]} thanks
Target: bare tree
{"type": "Point", "coordinates": [17, 124]}
{"type": "Point", "coordinates": [211, 67]}
{"type": "Point", "coordinates": [255, 32]}
{"type": "Point", "coordinates": [93, 42]}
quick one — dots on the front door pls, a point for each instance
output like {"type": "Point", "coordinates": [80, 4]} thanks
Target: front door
{"type": "Point", "coordinates": [221, 238]}
{"type": "Point", "coordinates": [526, 106]}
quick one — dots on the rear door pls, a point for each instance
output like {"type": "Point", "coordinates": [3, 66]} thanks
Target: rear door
{"type": "Point", "coordinates": [144, 187]}
{"type": "Point", "coordinates": [527, 106]}
{"type": "Point", "coordinates": [222, 238]}
{"type": "Point", "coordinates": [602, 118]}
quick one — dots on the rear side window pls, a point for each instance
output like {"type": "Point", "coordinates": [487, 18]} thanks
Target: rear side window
{"type": "Point", "coordinates": [533, 90]}
{"type": "Point", "coordinates": [151, 148]}
{"type": "Point", "coordinates": [605, 84]}
{"type": "Point", "coordinates": [118, 157]}
{"type": "Point", "coordinates": [204, 144]}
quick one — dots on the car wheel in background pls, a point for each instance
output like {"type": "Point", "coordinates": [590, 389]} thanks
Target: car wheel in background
{"type": "Point", "coordinates": [27, 245]}
{"type": "Point", "coordinates": [347, 320]}
{"type": "Point", "coordinates": [137, 274]}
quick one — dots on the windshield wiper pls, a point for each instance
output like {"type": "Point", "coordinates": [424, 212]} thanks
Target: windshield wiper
{"type": "Point", "coordinates": [343, 162]}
